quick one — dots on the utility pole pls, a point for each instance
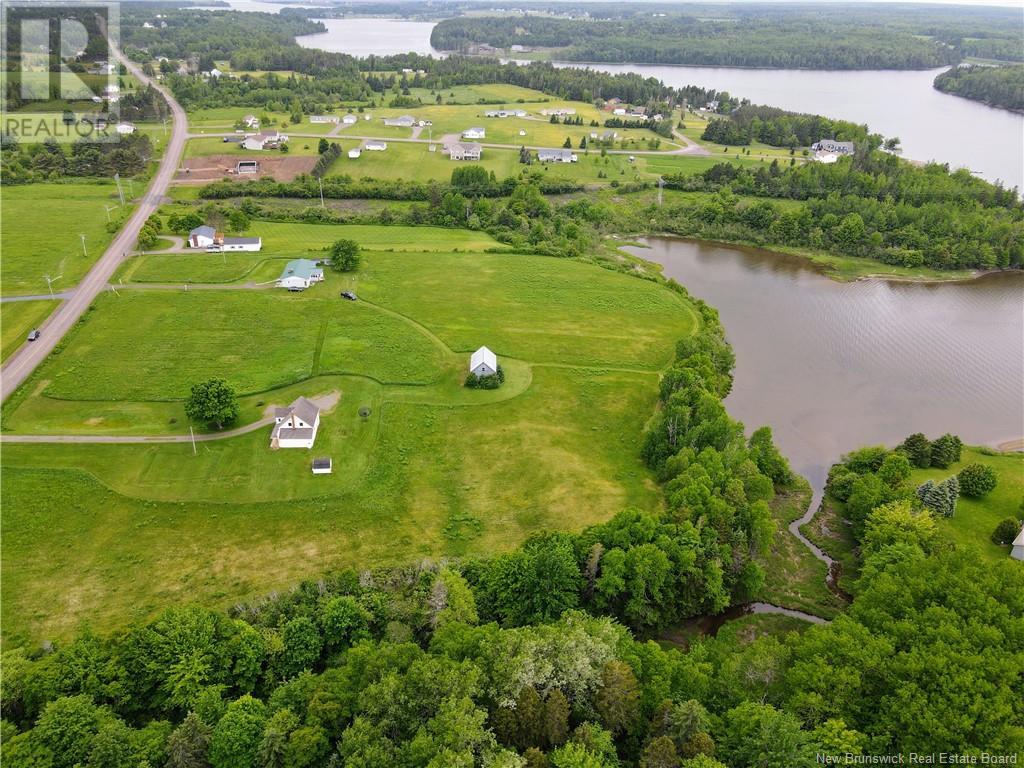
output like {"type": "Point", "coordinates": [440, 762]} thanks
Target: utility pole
{"type": "Point", "coordinates": [85, 253]}
{"type": "Point", "coordinates": [320, 179]}
{"type": "Point", "coordinates": [120, 192]}
{"type": "Point", "coordinates": [108, 209]}
{"type": "Point", "coordinates": [661, 188]}
{"type": "Point", "coordinates": [193, 434]}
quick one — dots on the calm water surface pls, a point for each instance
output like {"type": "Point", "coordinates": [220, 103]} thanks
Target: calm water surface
{"type": "Point", "coordinates": [931, 125]}
{"type": "Point", "coordinates": [833, 366]}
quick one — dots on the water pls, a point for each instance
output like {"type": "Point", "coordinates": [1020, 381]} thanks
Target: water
{"type": "Point", "coordinates": [931, 125]}
{"type": "Point", "coordinates": [365, 37]}
{"type": "Point", "coordinates": [834, 366]}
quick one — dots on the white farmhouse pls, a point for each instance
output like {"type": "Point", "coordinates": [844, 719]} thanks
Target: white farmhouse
{"type": "Point", "coordinates": [556, 156]}
{"type": "Point", "coordinates": [474, 133]}
{"type": "Point", "coordinates": [465, 150]}
{"type": "Point", "coordinates": [405, 121]}
{"type": "Point", "coordinates": [350, 119]}
{"type": "Point", "coordinates": [1017, 550]}
{"type": "Point", "coordinates": [201, 237]}
{"type": "Point", "coordinates": [374, 145]}
{"type": "Point", "coordinates": [296, 425]}
{"type": "Point", "coordinates": [483, 363]}
{"type": "Point", "coordinates": [300, 274]}
{"type": "Point", "coordinates": [324, 119]}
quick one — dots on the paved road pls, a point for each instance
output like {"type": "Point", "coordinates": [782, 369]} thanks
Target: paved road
{"type": "Point", "coordinates": [21, 364]}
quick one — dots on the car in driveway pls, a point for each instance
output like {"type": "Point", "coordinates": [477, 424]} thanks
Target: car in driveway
{"type": "Point", "coordinates": [348, 295]}
{"type": "Point", "coordinates": [33, 335]}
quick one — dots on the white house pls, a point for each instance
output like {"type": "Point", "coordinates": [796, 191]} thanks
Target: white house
{"type": "Point", "coordinates": [201, 237]}
{"type": "Point", "coordinates": [296, 425]}
{"type": "Point", "coordinates": [300, 274]}
{"type": "Point", "coordinates": [619, 111]}
{"type": "Point", "coordinates": [483, 363]}
{"type": "Point", "coordinates": [825, 157]}
{"type": "Point", "coordinates": [405, 121]}
{"type": "Point", "coordinates": [353, 154]}
{"type": "Point", "coordinates": [350, 119]}
{"type": "Point", "coordinates": [264, 140]}
{"type": "Point", "coordinates": [829, 145]}
{"type": "Point", "coordinates": [474, 133]}
{"type": "Point", "coordinates": [556, 156]}
{"type": "Point", "coordinates": [560, 111]}
{"type": "Point", "coordinates": [125, 129]}
{"type": "Point", "coordinates": [1017, 550]}
{"type": "Point", "coordinates": [505, 113]}
{"type": "Point", "coordinates": [324, 119]}
{"type": "Point", "coordinates": [375, 145]}
{"type": "Point", "coordinates": [465, 150]}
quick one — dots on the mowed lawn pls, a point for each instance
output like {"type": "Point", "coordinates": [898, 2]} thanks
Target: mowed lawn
{"type": "Point", "coordinates": [975, 519]}
{"type": "Point", "coordinates": [41, 229]}
{"type": "Point", "coordinates": [114, 532]}
{"type": "Point", "coordinates": [17, 318]}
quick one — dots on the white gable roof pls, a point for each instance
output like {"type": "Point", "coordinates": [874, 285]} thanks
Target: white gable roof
{"type": "Point", "coordinates": [1019, 541]}
{"type": "Point", "coordinates": [485, 356]}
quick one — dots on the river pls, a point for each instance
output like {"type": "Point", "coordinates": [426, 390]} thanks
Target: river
{"type": "Point", "coordinates": [931, 125]}
{"type": "Point", "coordinates": [833, 366]}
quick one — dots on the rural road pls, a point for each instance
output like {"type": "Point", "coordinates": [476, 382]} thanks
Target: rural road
{"type": "Point", "coordinates": [21, 364]}
{"type": "Point", "coordinates": [203, 438]}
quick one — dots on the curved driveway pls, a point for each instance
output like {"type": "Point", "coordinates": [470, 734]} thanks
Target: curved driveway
{"type": "Point", "coordinates": [21, 364]}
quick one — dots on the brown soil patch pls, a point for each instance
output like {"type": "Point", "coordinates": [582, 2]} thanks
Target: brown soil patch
{"type": "Point", "coordinates": [202, 170]}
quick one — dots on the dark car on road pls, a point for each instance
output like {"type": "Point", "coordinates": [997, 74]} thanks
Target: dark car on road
{"type": "Point", "coordinates": [348, 295]}
{"type": "Point", "coordinates": [33, 335]}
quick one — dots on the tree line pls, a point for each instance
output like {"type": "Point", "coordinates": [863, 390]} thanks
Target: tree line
{"type": "Point", "coordinates": [996, 86]}
{"type": "Point", "coordinates": [779, 128]}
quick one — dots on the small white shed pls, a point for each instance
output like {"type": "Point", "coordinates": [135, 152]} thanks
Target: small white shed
{"type": "Point", "coordinates": [483, 363]}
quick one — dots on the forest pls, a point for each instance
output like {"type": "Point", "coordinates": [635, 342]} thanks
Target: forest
{"type": "Point", "coordinates": [778, 128]}
{"type": "Point", "coordinates": [539, 657]}
{"type": "Point", "coordinates": [996, 86]}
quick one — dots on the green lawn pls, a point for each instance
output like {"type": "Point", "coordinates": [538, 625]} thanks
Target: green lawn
{"type": "Point", "coordinates": [17, 318]}
{"type": "Point", "coordinates": [297, 145]}
{"type": "Point", "coordinates": [975, 519]}
{"type": "Point", "coordinates": [435, 470]}
{"type": "Point", "coordinates": [41, 230]}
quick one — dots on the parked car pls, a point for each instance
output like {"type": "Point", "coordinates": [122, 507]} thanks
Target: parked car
{"type": "Point", "coordinates": [348, 295]}
{"type": "Point", "coordinates": [33, 335]}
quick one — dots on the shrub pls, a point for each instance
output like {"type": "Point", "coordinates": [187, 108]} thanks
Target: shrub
{"type": "Point", "coordinates": [976, 480]}
{"type": "Point", "coordinates": [1006, 531]}
{"type": "Point", "coordinates": [486, 382]}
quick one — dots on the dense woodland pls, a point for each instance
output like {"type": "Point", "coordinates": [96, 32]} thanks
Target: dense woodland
{"type": "Point", "coordinates": [997, 86]}
{"type": "Point", "coordinates": [535, 657]}
{"type": "Point", "coordinates": [778, 128]}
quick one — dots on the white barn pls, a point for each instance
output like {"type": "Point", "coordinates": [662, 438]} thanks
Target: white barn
{"type": "Point", "coordinates": [1017, 550]}
{"type": "Point", "coordinates": [483, 363]}
{"type": "Point", "coordinates": [296, 425]}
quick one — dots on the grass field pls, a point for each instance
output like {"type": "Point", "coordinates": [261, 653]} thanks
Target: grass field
{"type": "Point", "coordinates": [41, 229]}
{"type": "Point", "coordinates": [435, 470]}
{"type": "Point", "coordinates": [297, 145]}
{"type": "Point", "coordinates": [17, 318]}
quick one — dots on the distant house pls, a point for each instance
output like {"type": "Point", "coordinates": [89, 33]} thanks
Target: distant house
{"type": "Point", "coordinates": [474, 133]}
{"type": "Point", "coordinates": [300, 274]}
{"type": "Point", "coordinates": [324, 119]}
{"type": "Point", "coordinates": [375, 145]}
{"type": "Point", "coordinates": [353, 154]}
{"type": "Point", "coordinates": [825, 157]}
{"type": "Point", "coordinates": [505, 113]}
{"type": "Point", "coordinates": [405, 121]}
{"type": "Point", "coordinates": [830, 145]}
{"type": "Point", "coordinates": [1017, 550]}
{"type": "Point", "coordinates": [247, 166]}
{"type": "Point", "coordinates": [483, 363]}
{"type": "Point", "coordinates": [604, 135]}
{"type": "Point", "coordinates": [125, 129]}
{"type": "Point", "coordinates": [201, 237]}
{"type": "Point", "coordinates": [322, 466]}
{"type": "Point", "coordinates": [251, 121]}
{"type": "Point", "coordinates": [619, 111]}
{"type": "Point", "coordinates": [296, 425]}
{"type": "Point", "coordinates": [522, 133]}
{"type": "Point", "coordinates": [264, 140]}
{"type": "Point", "coordinates": [559, 111]}
{"type": "Point", "coordinates": [556, 156]}
{"type": "Point", "coordinates": [465, 150]}
{"type": "Point", "coordinates": [221, 244]}
{"type": "Point", "coordinates": [350, 119]}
